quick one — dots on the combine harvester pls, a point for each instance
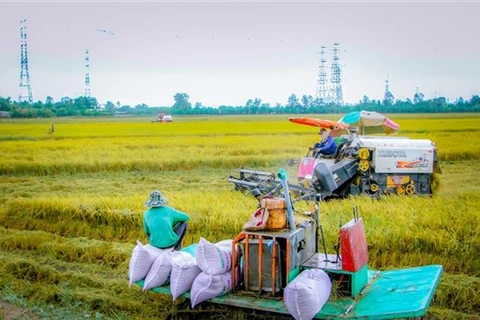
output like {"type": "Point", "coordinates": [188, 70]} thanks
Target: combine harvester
{"type": "Point", "coordinates": [364, 164]}
{"type": "Point", "coordinates": [162, 117]}
{"type": "Point", "coordinates": [286, 252]}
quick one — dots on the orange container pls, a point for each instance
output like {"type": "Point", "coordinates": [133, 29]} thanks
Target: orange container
{"type": "Point", "coordinates": [277, 215]}
{"type": "Point", "coordinates": [277, 219]}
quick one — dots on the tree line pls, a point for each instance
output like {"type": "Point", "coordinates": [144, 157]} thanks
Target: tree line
{"type": "Point", "coordinates": [306, 104]}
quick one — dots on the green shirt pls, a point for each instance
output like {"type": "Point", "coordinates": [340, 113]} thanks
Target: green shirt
{"type": "Point", "coordinates": [158, 225]}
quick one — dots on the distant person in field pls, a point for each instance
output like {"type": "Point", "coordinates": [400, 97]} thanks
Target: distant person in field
{"type": "Point", "coordinates": [164, 226]}
{"type": "Point", "coordinates": [326, 146]}
{"type": "Point", "coordinates": [52, 128]}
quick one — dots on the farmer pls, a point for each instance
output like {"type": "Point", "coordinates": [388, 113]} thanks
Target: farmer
{"type": "Point", "coordinates": [163, 225]}
{"type": "Point", "coordinates": [326, 146]}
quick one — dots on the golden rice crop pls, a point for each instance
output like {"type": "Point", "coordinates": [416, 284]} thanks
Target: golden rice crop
{"type": "Point", "coordinates": [81, 250]}
{"type": "Point", "coordinates": [119, 147]}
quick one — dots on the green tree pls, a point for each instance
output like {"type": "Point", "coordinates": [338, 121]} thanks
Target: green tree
{"type": "Point", "coordinates": [307, 102]}
{"type": "Point", "coordinates": [265, 108]}
{"type": "Point", "coordinates": [199, 109]}
{"type": "Point", "coordinates": [181, 105]}
{"type": "Point", "coordinates": [418, 97]}
{"type": "Point", "coordinates": [38, 105]}
{"type": "Point", "coordinates": [109, 107]}
{"type": "Point", "coordinates": [141, 109]}
{"type": "Point", "coordinates": [475, 100]}
{"type": "Point", "coordinates": [83, 103]}
{"type": "Point", "coordinates": [292, 104]}
{"type": "Point", "coordinates": [49, 101]}
{"type": "Point", "coordinates": [5, 104]}
{"type": "Point", "coordinates": [253, 105]}
{"type": "Point", "coordinates": [66, 100]}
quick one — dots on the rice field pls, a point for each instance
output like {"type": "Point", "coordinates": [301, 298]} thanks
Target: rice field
{"type": "Point", "coordinates": [71, 206]}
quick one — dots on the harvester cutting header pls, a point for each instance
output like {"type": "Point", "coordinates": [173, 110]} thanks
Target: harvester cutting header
{"type": "Point", "coordinates": [361, 163]}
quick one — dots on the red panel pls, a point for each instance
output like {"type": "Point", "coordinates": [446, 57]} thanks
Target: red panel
{"type": "Point", "coordinates": [306, 167]}
{"type": "Point", "coordinates": [353, 245]}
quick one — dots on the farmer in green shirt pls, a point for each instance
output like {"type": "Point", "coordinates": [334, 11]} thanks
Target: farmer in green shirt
{"type": "Point", "coordinates": [163, 225]}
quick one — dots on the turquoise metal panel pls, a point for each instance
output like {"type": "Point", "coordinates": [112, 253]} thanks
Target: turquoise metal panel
{"type": "Point", "coordinates": [330, 264]}
{"type": "Point", "coordinates": [399, 294]}
{"type": "Point", "coordinates": [359, 281]}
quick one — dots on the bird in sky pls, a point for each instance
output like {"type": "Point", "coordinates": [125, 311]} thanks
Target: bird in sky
{"type": "Point", "coordinates": [106, 31]}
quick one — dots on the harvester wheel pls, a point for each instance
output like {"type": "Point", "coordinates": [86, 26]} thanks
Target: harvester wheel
{"type": "Point", "coordinates": [401, 190]}
{"type": "Point", "coordinates": [364, 165]}
{"type": "Point", "coordinates": [410, 189]}
{"type": "Point", "coordinates": [374, 187]}
{"type": "Point", "coordinates": [363, 153]}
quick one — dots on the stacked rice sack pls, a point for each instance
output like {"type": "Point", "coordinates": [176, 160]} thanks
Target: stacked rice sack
{"type": "Point", "coordinates": [144, 257]}
{"type": "Point", "coordinates": [215, 262]}
{"type": "Point", "coordinates": [184, 271]}
{"type": "Point", "coordinates": [204, 269]}
{"type": "Point", "coordinates": [158, 267]}
{"type": "Point", "coordinates": [305, 296]}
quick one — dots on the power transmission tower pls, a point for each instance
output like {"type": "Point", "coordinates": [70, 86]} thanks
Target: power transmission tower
{"type": "Point", "coordinates": [87, 73]}
{"type": "Point", "coordinates": [336, 78]}
{"type": "Point", "coordinates": [25, 88]}
{"type": "Point", "coordinates": [388, 97]}
{"type": "Point", "coordinates": [322, 89]}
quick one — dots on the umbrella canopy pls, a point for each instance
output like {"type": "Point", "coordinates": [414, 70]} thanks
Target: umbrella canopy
{"type": "Point", "coordinates": [314, 122]}
{"type": "Point", "coordinates": [370, 122]}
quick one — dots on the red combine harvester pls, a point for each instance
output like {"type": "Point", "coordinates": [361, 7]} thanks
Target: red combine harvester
{"type": "Point", "coordinates": [162, 117]}
{"type": "Point", "coordinates": [368, 165]}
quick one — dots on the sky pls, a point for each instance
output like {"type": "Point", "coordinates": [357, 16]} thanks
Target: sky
{"type": "Point", "coordinates": [224, 53]}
